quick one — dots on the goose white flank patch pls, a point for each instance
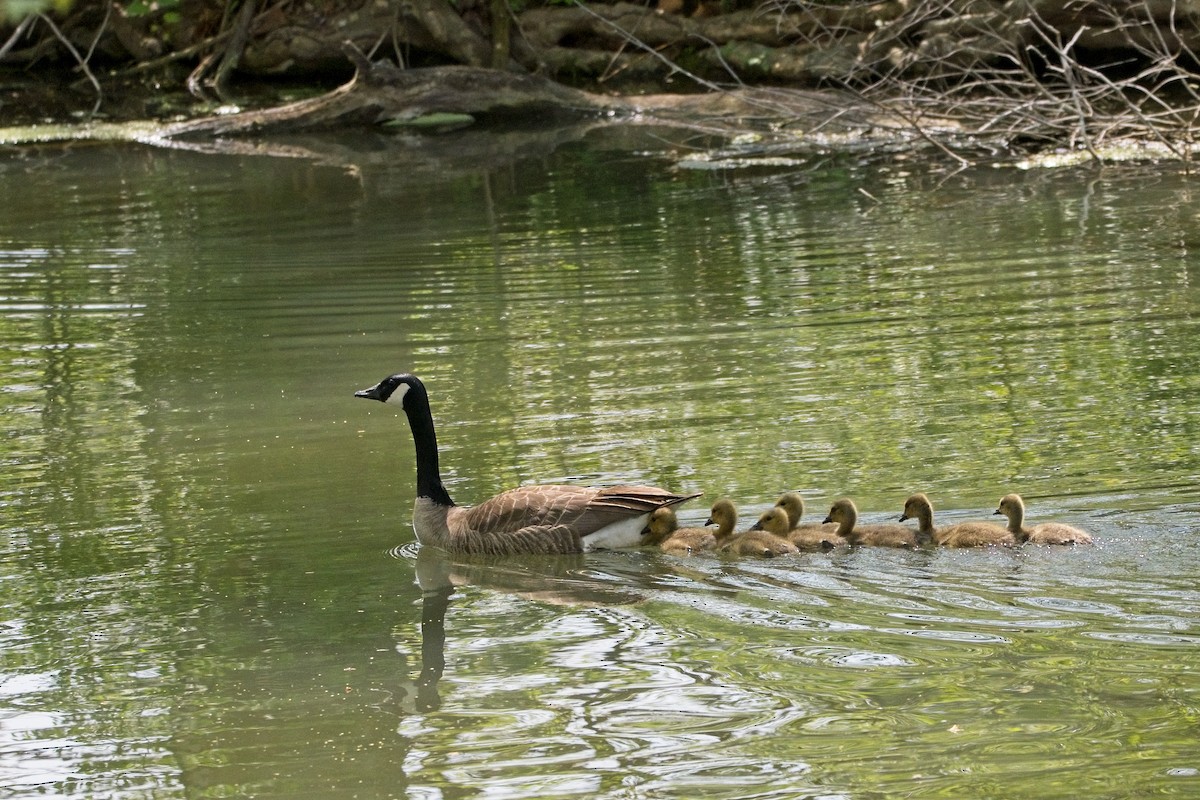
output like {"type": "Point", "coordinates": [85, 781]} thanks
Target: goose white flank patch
{"type": "Point", "coordinates": [547, 518]}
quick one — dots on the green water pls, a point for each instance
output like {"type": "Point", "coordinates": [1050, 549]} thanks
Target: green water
{"type": "Point", "coordinates": [210, 587]}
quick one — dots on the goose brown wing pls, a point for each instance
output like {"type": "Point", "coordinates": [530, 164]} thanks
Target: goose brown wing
{"type": "Point", "coordinates": [635, 500]}
{"type": "Point", "coordinates": [527, 506]}
{"type": "Point", "coordinates": [584, 510]}
{"type": "Point", "coordinates": [617, 503]}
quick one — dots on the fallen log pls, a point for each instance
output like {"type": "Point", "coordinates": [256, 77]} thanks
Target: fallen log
{"type": "Point", "coordinates": [382, 94]}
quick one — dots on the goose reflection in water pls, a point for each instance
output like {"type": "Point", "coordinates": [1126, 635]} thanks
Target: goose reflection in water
{"type": "Point", "coordinates": [551, 579]}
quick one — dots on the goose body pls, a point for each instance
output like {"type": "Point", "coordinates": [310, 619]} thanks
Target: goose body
{"type": "Point", "coordinates": [845, 514]}
{"type": "Point", "coordinates": [1013, 507]}
{"type": "Point", "coordinates": [546, 518]}
{"type": "Point", "coordinates": [747, 543]}
{"type": "Point", "coordinates": [807, 535]}
{"type": "Point", "coordinates": [664, 532]}
{"type": "Point", "coordinates": [962, 534]}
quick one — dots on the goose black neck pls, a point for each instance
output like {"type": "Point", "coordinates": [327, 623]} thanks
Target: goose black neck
{"type": "Point", "coordinates": [429, 475]}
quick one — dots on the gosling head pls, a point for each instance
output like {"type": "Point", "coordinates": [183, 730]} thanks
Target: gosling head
{"type": "Point", "coordinates": [841, 511]}
{"type": "Point", "coordinates": [724, 515]}
{"type": "Point", "coordinates": [1011, 505]}
{"type": "Point", "coordinates": [773, 520]}
{"type": "Point", "coordinates": [662, 523]}
{"type": "Point", "coordinates": [916, 507]}
{"type": "Point", "coordinates": [793, 504]}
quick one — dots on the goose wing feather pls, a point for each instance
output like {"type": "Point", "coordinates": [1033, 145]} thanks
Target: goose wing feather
{"type": "Point", "coordinates": [582, 509]}
{"type": "Point", "coordinates": [525, 506]}
{"type": "Point", "coordinates": [634, 500]}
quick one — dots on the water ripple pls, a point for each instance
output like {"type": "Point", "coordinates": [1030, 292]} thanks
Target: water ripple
{"type": "Point", "coordinates": [203, 590]}
{"type": "Point", "coordinates": [1155, 639]}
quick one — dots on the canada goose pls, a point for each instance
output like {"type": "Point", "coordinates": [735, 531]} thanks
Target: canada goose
{"type": "Point", "coordinates": [962, 534]}
{"type": "Point", "coordinates": [747, 543]}
{"type": "Point", "coordinates": [1013, 507]}
{"type": "Point", "coordinates": [529, 519]}
{"type": "Point", "coordinates": [806, 535]}
{"type": "Point", "coordinates": [663, 530]}
{"type": "Point", "coordinates": [891, 534]}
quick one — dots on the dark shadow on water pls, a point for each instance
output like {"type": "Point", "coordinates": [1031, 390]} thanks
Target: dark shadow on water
{"type": "Point", "coordinates": [556, 580]}
{"type": "Point", "coordinates": [434, 603]}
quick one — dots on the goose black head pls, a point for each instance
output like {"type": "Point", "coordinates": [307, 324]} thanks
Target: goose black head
{"type": "Point", "coordinates": [394, 388]}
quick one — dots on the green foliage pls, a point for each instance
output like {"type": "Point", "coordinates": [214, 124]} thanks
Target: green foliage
{"type": "Point", "coordinates": [141, 8]}
{"type": "Point", "coordinates": [17, 10]}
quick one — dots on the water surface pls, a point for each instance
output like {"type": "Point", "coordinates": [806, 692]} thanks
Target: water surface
{"type": "Point", "coordinates": [210, 584]}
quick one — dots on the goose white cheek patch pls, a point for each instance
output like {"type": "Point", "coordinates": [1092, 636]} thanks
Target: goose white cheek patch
{"type": "Point", "coordinates": [397, 396]}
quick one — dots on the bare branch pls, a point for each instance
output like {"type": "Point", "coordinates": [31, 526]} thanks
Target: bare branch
{"type": "Point", "coordinates": [79, 59]}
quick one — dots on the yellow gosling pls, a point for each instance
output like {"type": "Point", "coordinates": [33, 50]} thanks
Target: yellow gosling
{"type": "Point", "coordinates": [807, 536]}
{"type": "Point", "coordinates": [748, 543]}
{"type": "Point", "coordinates": [1013, 507]}
{"type": "Point", "coordinates": [664, 532]}
{"type": "Point", "coordinates": [723, 514]}
{"type": "Point", "coordinates": [844, 514]}
{"type": "Point", "coordinates": [962, 534]}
